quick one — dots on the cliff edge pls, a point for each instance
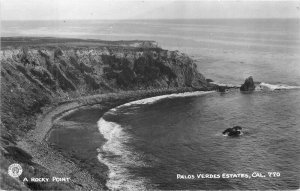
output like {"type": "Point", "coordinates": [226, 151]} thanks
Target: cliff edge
{"type": "Point", "coordinates": [38, 72]}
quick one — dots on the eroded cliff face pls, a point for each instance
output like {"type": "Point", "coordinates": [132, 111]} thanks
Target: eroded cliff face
{"type": "Point", "coordinates": [39, 72]}
{"type": "Point", "coordinates": [60, 69]}
{"type": "Point", "coordinates": [32, 76]}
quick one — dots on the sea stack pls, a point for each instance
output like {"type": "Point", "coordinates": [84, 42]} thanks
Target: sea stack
{"type": "Point", "coordinates": [248, 84]}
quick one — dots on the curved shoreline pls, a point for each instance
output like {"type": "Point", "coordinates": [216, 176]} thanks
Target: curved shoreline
{"type": "Point", "coordinates": [35, 141]}
{"type": "Point", "coordinates": [36, 144]}
{"type": "Point", "coordinates": [113, 146]}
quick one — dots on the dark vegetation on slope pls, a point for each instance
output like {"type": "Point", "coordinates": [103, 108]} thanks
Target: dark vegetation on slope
{"type": "Point", "coordinates": [40, 72]}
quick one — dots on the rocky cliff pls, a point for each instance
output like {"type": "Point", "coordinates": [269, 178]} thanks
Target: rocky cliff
{"type": "Point", "coordinates": [37, 72]}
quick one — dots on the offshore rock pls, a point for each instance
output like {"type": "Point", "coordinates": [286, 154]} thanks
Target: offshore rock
{"type": "Point", "coordinates": [248, 85]}
{"type": "Point", "coordinates": [221, 88]}
{"type": "Point", "coordinates": [234, 131]}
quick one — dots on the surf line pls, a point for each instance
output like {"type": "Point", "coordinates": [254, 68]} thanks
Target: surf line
{"type": "Point", "coordinates": [117, 156]}
{"type": "Point", "coordinates": [277, 86]}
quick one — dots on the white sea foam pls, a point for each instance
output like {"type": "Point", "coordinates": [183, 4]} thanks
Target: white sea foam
{"type": "Point", "coordinates": [227, 85]}
{"type": "Point", "coordinates": [118, 156]}
{"type": "Point", "coordinates": [275, 86]}
{"type": "Point", "coordinates": [157, 98]}
{"type": "Point", "coordinates": [262, 86]}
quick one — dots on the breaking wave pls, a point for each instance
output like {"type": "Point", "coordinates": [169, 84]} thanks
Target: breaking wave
{"type": "Point", "coordinates": [157, 98]}
{"type": "Point", "coordinates": [226, 85]}
{"type": "Point", "coordinates": [276, 86]}
{"type": "Point", "coordinates": [118, 156]}
{"type": "Point", "coordinates": [262, 86]}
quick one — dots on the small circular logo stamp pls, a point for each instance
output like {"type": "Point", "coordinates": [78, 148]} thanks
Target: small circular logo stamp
{"type": "Point", "coordinates": [15, 170]}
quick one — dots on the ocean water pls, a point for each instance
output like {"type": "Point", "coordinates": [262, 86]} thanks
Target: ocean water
{"type": "Point", "coordinates": [150, 142]}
